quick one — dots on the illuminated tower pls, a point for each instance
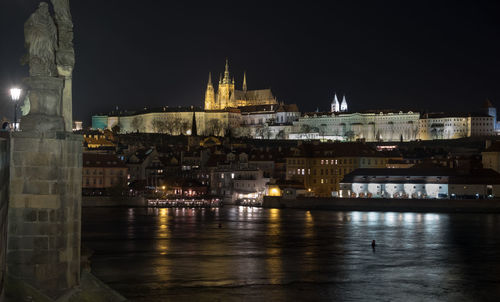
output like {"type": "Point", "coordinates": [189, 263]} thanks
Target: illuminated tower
{"type": "Point", "coordinates": [225, 92]}
{"type": "Point", "coordinates": [335, 105]}
{"type": "Point", "coordinates": [245, 81]}
{"type": "Point", "coordinates": [491, 111]}
{"type": "Point", "coordinates": [210, 94]}
{"type": "Point", "coordinates": [343, 106]}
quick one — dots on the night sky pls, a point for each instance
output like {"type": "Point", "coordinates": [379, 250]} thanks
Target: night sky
{"type": "Point", "coordinates": [421, 55]}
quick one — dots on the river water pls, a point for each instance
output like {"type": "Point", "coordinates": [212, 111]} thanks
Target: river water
{"type": "Point", "coordinates": [293, 255]}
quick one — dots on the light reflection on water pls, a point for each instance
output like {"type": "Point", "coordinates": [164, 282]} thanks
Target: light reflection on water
{"type": "Point", "coordinates": [175, 254]}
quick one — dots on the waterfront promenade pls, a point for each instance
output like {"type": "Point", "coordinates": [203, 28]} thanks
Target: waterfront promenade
{"type": "Point", "coordinates": [382, 204]}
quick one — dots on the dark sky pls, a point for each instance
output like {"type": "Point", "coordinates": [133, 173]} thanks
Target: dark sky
{"type": "Point", "coordinates": [433, 55]}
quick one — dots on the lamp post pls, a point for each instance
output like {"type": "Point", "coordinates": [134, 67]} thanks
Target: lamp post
{"type": "Point", "coordinates": [15, 94]}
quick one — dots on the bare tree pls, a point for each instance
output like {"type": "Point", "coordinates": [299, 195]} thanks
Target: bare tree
{"type": "Point", "coordinates": [215, 127]}
{"type": "Point", "coordinates": [185, 126]}
{"type": "Point", "coordinates": [281, 134]}
{"type": "Point", "coordinates": [176, 126]}
{"type": "Point", "coordinates": [162, 127]}
{"type": "Point", "coordinates": [136, 124]}
{"type": "Point", "coordinates": [156, 123]}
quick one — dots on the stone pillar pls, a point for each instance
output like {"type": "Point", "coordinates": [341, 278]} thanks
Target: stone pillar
{"type": "Point", "coordinates": [43, 252]}
{"type": "Point", "coordinates": [4, 201]}
{"type": "Point", "coordinates": [45, 105]}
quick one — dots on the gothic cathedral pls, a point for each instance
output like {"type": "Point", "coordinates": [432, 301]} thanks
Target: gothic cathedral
{"type": "Point", "coordinates": [227, 97]}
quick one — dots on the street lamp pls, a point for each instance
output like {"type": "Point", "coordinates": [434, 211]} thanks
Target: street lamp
{"type": "Point", "coordinates": [15, 94]}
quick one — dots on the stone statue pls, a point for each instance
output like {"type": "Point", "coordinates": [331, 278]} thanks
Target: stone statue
{"type": "Point", "coordinates": [65, 58]}
{"type": "Point", "coordinates": [41, 41]}
{"type": "Point", "coordinates": [65, 54]}
{"type": "Point", "coordinates": [25, 107]}
{"type": "Point", "coordinates": [51, 58]}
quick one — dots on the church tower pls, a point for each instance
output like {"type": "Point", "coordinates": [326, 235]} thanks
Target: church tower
{"type": "Point", "coordinates": [335, 105]}
{"type": "Point", "coordinates": [210, 94]}
{"type": "Point", "coordinates": [225, 92]}
{"type": "Point", "coordinates": [245, 81]}
{"type": "Point", "coordinates": [343, 106]}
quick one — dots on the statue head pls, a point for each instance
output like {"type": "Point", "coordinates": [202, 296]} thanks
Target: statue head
{"type": "Point", "coordinates": [43, 6]}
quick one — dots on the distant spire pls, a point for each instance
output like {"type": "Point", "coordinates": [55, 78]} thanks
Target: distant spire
{"type": "Point", "coordinates": [245, 81]}
{"type": "Point", "coordinates": [335, 104]}
{"type": "Point", "coordinates": [233, 80]}
{"type": "Point", "coordinates": [343, 106]}
{"type": "Point", "coordinates": [226, 79]}
{"type": "Point", "coordinates": [220, 78]}
{"type": "Point", "coordinates": [209, 79]}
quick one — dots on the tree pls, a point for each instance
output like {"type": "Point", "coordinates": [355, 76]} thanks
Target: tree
{"type": "Point", "coordinates": [214, 127]}
{"type": "Point", "coordinates": [116, 128]}
{"type": "Point", "coordinates": [281, 134]}
{"type": "Point", "coordinates": [305, 128]}
{"type": "Point", "coordinates": [162, 127]}
{"type": "Point", "coordinates": [156, 123]}
{"type": "Point", "coordinates": [185, 126]}
{"type": "Point", "coordinates": [136, 124]}
{"type": "Point", "coordinates": [350, 135]}
{"type": "Point", "coordinates": [176, 126]}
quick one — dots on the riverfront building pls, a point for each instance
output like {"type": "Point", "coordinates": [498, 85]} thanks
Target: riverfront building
{"type": "Point", "coordinates": [321, 167]}
{"type": "Point", "coordinates": [103, 172]}
{"type": "Point", "coordinates": [420, 183]}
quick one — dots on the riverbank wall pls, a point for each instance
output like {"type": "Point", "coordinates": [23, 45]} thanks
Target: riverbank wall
{"type": "Point", "coordinates": [386, 205]}
{"type": "Point", "coordinates": [113, 201]}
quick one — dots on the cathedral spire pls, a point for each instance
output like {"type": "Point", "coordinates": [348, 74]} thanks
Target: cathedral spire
{"type": "Point", "coordinates": [335, 104]}
{"type": "Point", "coordinates": [245, 81]}
{"type": "Point", "coordinates": [343, 106]}
{"type": "Point", "coordinates": [226, 79]}
{"type": "Point", "coordinates": [209, 79]}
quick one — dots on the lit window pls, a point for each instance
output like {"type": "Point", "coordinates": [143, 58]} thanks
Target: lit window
{"type": "Point", "coordinates": [232, 175]}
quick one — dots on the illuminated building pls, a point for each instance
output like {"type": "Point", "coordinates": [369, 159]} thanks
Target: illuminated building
{"type": "Point", "coordinates": [95, 139]}
{"type": "Point", "coordinates": [229, 97]}
{"type": "Point", "coordinates": [491, 156]}
{"type": "Point", "coordinates": [369, 126]}
{"type": "Point", "coordinates": [102, 172]}
{"type": "Point", "coordinates": [335, 106]}
{"type": "Point", "coordinates": [420, 183]}
{"type": "Point", "coordinates": [171, 120]}
{"type": "Point", "coordinates": [453, 126]}
{"type": "Point", "coordinates": [321, 167]}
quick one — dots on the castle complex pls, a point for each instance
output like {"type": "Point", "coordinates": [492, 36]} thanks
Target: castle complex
{"type": "Point", "coordinates": [228, 97]}
{"type": "Point", "coordinates": [257, 114]}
